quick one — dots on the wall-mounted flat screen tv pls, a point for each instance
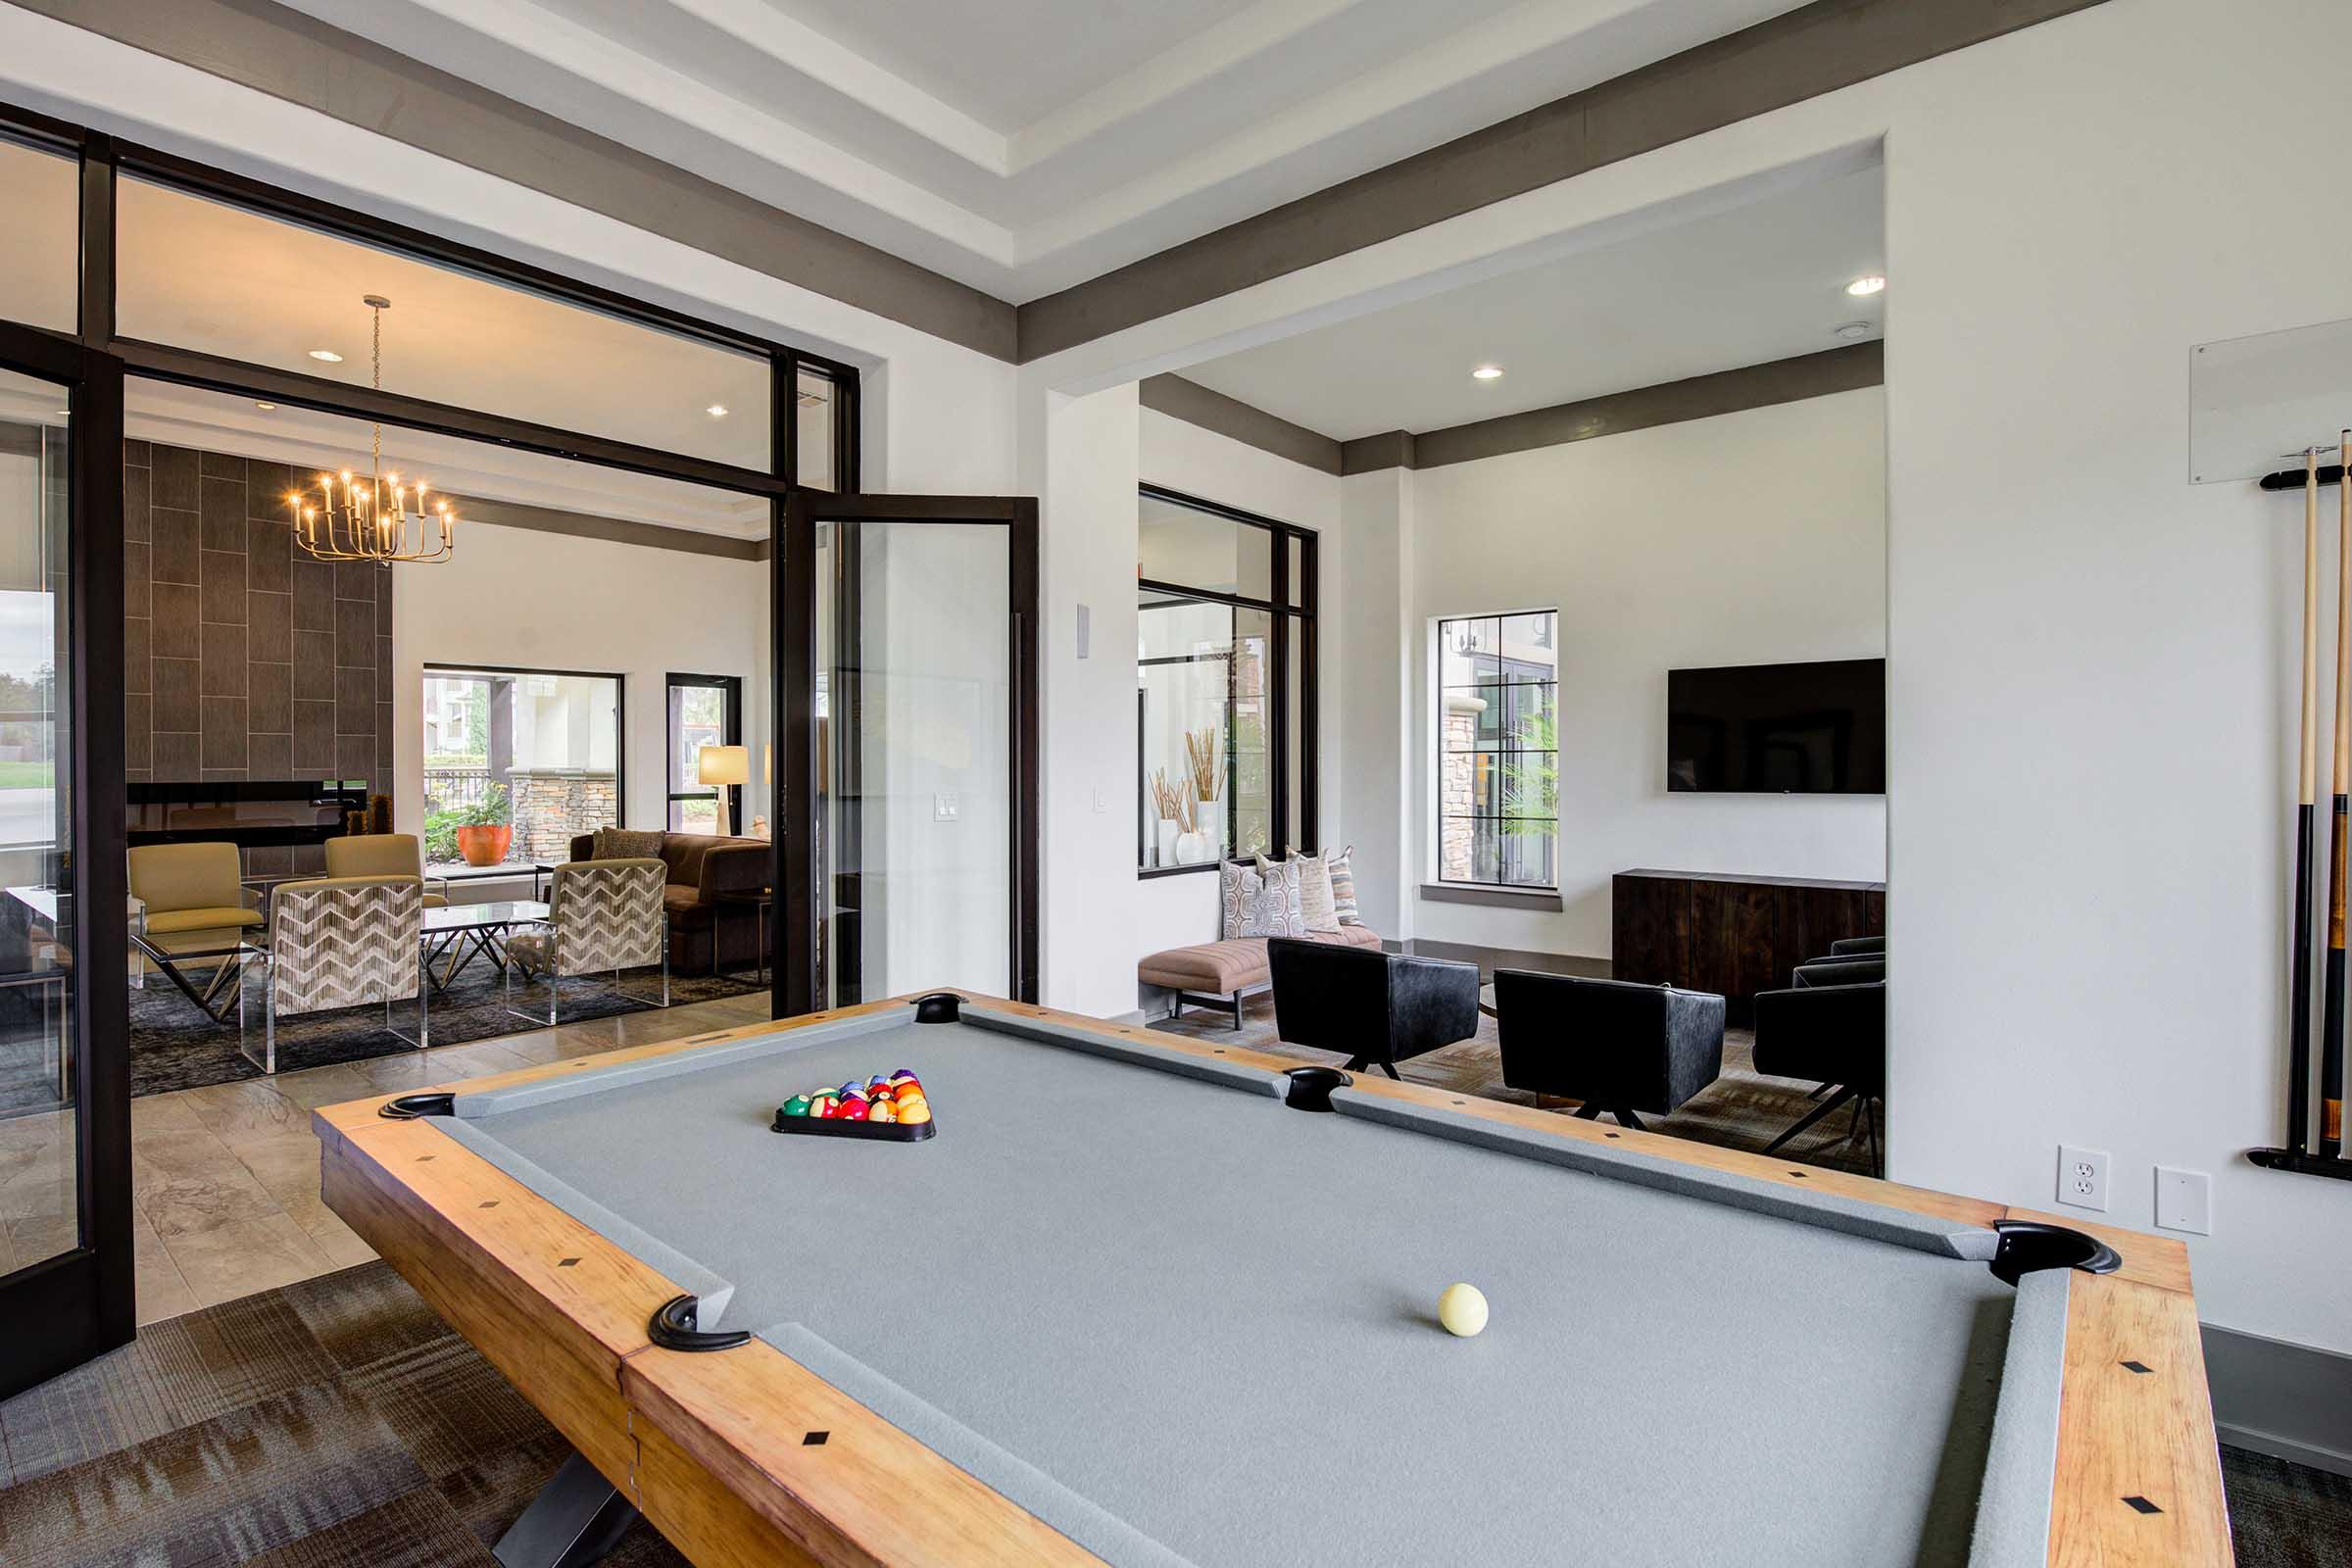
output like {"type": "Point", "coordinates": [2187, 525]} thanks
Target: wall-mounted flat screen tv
{"type": "Point", "coordinates": [1816, 728]}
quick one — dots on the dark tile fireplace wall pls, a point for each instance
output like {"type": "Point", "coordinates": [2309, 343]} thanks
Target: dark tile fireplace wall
{"type": "Point", "coordinates": [243, 658]}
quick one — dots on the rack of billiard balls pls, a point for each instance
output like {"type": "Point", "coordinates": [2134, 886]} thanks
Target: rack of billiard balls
{"type": "Point", "coordinates": [894, 1109]}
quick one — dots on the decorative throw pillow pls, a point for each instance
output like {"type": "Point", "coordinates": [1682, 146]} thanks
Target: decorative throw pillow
{"type": "Point", "coordinates": [1238, 890]}
{"type": "Point", "coordinates": [1277, 911]}
{"type": "Point", "coordinates": [1316, 906]}
{"type": "Point", "coordinates": [1343, 885]}
{"type": "Point", "coordinates": [625, 843]}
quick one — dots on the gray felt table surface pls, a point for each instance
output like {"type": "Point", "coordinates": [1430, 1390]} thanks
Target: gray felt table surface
{"type": "Point", "coordinates": [1183, 1322]}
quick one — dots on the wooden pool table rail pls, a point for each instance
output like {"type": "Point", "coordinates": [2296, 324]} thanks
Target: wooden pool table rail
{"type": "Point", "coordinates": [713, 1448]}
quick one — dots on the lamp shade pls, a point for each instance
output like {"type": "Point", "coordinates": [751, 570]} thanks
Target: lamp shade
{"type": "Point", "coordinates": [724, 764]}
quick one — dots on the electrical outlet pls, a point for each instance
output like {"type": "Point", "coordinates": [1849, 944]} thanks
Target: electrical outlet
{"type": "Point", "coordinates": [945, 807]}
{"type": "Point", "coordinates": [2082, 1178]}
{"type": "Point", "coordinates": [2185, 1200]}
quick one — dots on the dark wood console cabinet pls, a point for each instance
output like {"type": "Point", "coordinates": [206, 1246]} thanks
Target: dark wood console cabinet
{"type": "Point", "coordinates": [1731, 935]}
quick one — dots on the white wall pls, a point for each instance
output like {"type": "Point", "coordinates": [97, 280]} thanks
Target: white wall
{"type": "Point", "coordinates": [1755, 537]}
{"type": "Point", "coordinates": [520, 597]}
{"type": "Point", "coordinates": [1177, 910]}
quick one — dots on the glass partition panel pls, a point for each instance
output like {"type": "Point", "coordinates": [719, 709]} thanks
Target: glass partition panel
{"type": "Point", "coordinates": [1198, 549]}
{"type": "Point", "coordinates": [204, 275]}
{"type": "Point", "coordinates": [40, 1140]}
{"type": "Point", "coordinates": [914, 747]}
{"type": "Point", "coordinates": [817, 405]}
{"type": "Point", "coordinates": [40, 245]}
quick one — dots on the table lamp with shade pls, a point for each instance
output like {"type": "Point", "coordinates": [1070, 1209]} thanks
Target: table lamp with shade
{"type": "Point", "coordinates": [726, 767]}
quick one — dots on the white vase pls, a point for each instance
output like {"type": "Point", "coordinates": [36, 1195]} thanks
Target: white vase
{"type": "Point", "coordinates": [1166, 842]}
{"type": "Point", "coordinates": [1194, 849]}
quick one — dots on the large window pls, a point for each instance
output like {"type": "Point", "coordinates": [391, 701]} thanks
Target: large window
{"type": "Point", "coordinates": [537, 750]}
{"type": "Point", "coordinates": [1225, 684]}
{"type": "Point", "coordinates": [705, 710]}
{"type": "Point", "coordinates": [1498, 754]}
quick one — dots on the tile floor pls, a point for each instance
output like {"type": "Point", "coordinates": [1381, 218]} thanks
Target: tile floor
{"type": "Point", "coordinates": [224, 1180]}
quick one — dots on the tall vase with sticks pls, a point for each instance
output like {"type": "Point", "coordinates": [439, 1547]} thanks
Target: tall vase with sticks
{"type": "Point", "coordinates": [1169, 810]}
{"type": "Point", "coordinates": [1204, 760]}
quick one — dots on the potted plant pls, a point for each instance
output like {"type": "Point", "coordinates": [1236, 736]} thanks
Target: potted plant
{"type": "Point", "coordinates": [485, 828]}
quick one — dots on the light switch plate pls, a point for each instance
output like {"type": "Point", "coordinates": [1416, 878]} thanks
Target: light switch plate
{"type": "Point", "coordinates": [945, 807]}
{"type": "Point", "coordinates": [1086, 630]}
{"type": "Point", "coordinates": [2183, 1201]}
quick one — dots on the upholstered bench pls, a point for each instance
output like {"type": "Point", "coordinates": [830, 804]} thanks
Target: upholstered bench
{"type": "Point", "coordinates": [1223, 975]}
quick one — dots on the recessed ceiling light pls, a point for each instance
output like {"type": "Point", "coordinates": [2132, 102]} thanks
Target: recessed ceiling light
{"type": "Point", "coordinates": [266, 407]}
{"type": "Point", "coordinates": [328, 354]}
{"type": "Point", "coordinates": [1852, 330]}
{"type": "Point", "coordinates": [1863, 287]}
{"type": "Point", "coordinates": [1487, 372]}
{"type": "Point", "coordinates": [716, 411]}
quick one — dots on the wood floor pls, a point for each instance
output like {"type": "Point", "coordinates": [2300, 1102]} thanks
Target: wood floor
{"type": "Point", "coordinates": [224, 1180]}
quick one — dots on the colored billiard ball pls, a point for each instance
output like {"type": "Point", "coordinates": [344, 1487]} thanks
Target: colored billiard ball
{"type": "Point", "coordinates": [852, 1110]}
{"type": "Point", "coordinates": [1462, 1310]}
{"type": "Point", "coordinates": [822, 1105]}
{"type": "Point", "coordinates": [882, 1110]}
{"type": "Point", "coordinates": [797, 1106]}
{"type": "Point", "coordinates": [908, 1115]}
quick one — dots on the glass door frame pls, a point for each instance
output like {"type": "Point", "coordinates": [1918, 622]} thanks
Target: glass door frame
{"type": "Point", "coordinates": [793, 795]}
{"type": "Point", "coordinates": [78, 1303]}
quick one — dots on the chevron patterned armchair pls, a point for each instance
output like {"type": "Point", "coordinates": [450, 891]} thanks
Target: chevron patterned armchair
{"type": "Point", "coordinates": [341, 942]}
{"type": "Point", "coordinates": [602, 915]}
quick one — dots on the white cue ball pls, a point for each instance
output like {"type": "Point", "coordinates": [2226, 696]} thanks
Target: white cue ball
{"type": "Point", "coordinates": [1462, 1310]}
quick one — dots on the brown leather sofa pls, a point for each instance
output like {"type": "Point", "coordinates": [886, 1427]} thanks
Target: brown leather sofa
{"type": "Point", "coordinates": [702, 867]}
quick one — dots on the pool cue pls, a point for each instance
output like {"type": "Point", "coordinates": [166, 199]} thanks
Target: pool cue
{"type": "Point", "coordinates": [2331, 1021]}
{"type": "Point", "coordinates": [2298, 1034]}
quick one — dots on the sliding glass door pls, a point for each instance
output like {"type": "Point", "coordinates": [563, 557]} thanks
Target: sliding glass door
{"type": "Point", "coordinates": [910, 722]}
{"type": "Point", "coordinates": [65, 1263]}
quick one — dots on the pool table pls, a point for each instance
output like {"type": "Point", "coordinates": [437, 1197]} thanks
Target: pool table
{"type": "Point", "coordinates": [1147, 1301]}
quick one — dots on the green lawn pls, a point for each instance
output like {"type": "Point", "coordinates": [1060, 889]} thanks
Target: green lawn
{"type": "Point", "coordinates": [24, 775]}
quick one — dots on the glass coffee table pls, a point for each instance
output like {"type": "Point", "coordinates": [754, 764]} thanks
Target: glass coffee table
{"type": "Point", "coordinates": [457, 934]}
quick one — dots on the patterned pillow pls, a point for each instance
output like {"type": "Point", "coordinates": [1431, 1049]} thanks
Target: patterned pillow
{"type": "Point", "coordinates": [1237, 888]}
{"type": "Point", "coordinates": [1317, 909]}
{"type": "Point", "coordinates": [1343, 885]}
{"type": "Point", "coordinates": [1254, 907]}
{"type": "Point", "coordinates": [1279, 910]}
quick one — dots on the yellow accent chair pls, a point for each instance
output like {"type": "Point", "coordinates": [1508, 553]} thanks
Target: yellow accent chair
{"type": "Point", "coordinates": [192, 900]}
{"type": "Point", "coordinates": [384, 855]}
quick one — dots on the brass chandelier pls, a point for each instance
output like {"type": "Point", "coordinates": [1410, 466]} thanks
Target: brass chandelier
{"type": "Point", "coordinates": [372, 516]}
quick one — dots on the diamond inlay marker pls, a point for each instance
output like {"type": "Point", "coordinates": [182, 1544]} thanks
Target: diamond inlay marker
{"type": "Point", "coordinates": [814, 1440]}
{"type": "Point", "coordinates": [423, 1158]}
{"type": "Point", "coordinates": [2139, 1367]}
{"type": "Point", "coordinates": [2141, 1505]}
{"type": "Point", "coordinates": [490, 1203]}
{"type": "Point", "coordinates": [567, 1263]}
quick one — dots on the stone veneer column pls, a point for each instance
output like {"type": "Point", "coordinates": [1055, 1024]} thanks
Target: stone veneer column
{"type": "Point", "coordinates": [552, 803]}
{"type": "Point", "coordinates": [1458, 795]}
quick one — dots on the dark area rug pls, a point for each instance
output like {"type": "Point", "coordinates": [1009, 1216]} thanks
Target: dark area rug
{"type": "Point", "coordinates": [173, 1047]}
{"type": "Point", "coordinates": [339, 1424]}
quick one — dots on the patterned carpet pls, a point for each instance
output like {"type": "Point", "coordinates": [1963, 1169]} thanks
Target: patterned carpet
{"type": "Point", "coordinates": [172, 1047]}
{"type": "Point", "coordinates": [1742, 1109]}
{"type": "Point", "coordinates": [338, 1424]}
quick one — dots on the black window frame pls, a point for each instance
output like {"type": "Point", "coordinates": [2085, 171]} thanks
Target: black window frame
{"type": "Point", "coordinates": [1288, 620]}
{"type": "Point", "coordinates": [731, 734]}
{"type": "Point", "coordinates": [1439, 815]}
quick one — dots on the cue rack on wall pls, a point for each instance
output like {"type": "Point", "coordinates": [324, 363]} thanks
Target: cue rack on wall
{"type": "Point", "coordinates": [2323, 1157]}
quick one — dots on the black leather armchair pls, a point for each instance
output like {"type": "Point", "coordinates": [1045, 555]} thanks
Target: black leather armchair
{"type": "Point", "coordinates": [1618, 1047]}
{"type": "Point", "coordinates": [1855, 947]}
{"type": "Point", "coordinates": [1847, 969]}
{"type": "Point", "coordinates": [1379, 1008]}
{"type": "Point", "coordinates": [1832, 1034]}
